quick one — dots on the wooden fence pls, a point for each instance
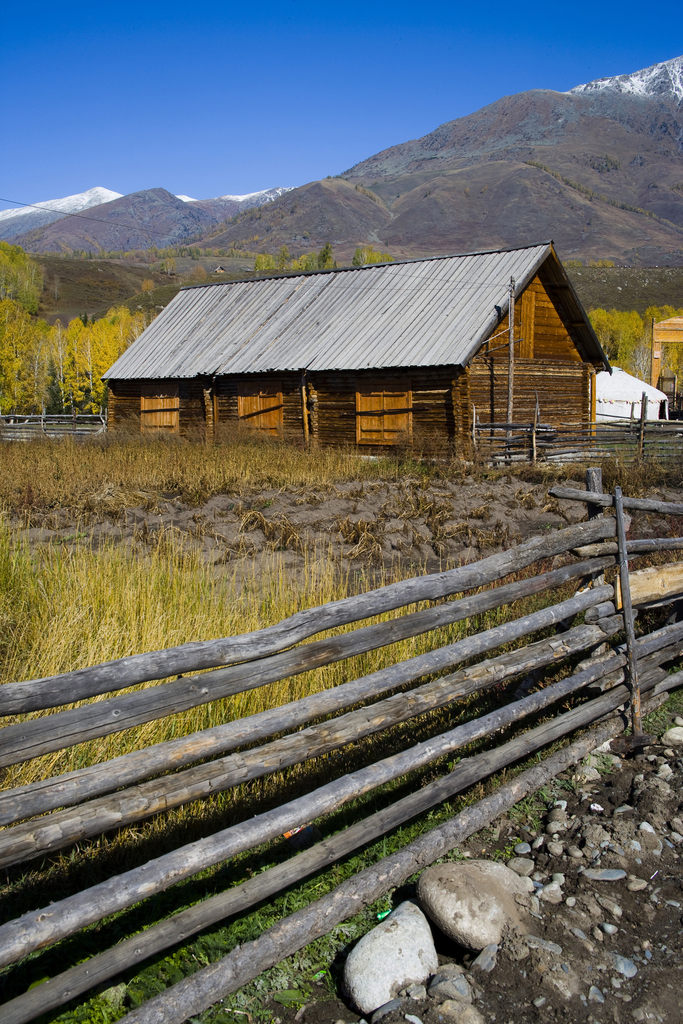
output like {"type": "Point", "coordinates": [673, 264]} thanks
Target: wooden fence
{"type": "Point", "coordinates": [14, 427]}
{"type": "Point", "coordinates": [54, 813]}
{"type": "Point", "coordinates": [627, 440]}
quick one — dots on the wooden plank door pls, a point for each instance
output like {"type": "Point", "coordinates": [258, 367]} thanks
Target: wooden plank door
{"type": "Point", "coordinates": [260, 407]}
{"type": "Point", "coordinates": [383, 412]}
{"type": "Point", "coordinates": [160, 407]}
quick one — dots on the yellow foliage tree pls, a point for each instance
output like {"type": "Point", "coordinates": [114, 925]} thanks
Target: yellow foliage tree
{"type": "Point", "coordinates": [20, 278]}
{"type": "Point", "coordinates": [23, 359]}
{"type": "Point", "coordinates": [81, 353]}
{"type": "Point", "coordinates": [368, 254]}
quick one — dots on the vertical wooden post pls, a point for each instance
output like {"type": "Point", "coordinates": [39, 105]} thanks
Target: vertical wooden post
{"type": "Point", "coordinates": [304, 408]}
{"type": "Point", "coordinates": [533, 432]}
{"type": "Point", "coordinates": [208, 414]}
{"type": "Point", "coordinates": [643, 417]}
{"type": "Point", "coordinates": [594, 483]}
{"type": "Point", "coordinates": [655, 357]}
{"type": "Point", "coordinates": [632, 666]}
{"type": "Point", "coordinates": [313, 400]}
{"type": "Point", "coordinates": [474, 425]}
{"type": "Point", "coordinates": [511, 352]}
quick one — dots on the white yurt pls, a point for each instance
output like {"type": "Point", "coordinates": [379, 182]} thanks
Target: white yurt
{"type": "Point", "coordinates": [618, 396]}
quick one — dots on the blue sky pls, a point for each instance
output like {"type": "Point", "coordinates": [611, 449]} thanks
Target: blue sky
{"type": "Point", "coordinates": [218, 98]}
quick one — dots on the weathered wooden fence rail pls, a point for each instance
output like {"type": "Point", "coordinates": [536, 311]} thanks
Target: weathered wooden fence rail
{"type": "Point", "coordinates": [660, 440]}
{"type": "Point", "coordinates": [15, 427]}
{"type": "Point", "coordinates": [58, 811]}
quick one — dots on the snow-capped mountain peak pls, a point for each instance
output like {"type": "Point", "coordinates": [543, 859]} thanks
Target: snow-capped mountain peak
{"type": "Point", "coordinates": [69, 204]}
{"type": "Point", "coordinates": [266, 195]}
{"type": "Point", "coordinates": [665, 80]}
{"type": "Point", "coordinates": [187, 199]}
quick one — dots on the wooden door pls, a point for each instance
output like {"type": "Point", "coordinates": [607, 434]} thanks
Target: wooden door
{"type": "Point", "coordinates": [260, 407]}
{"type": "Point", "coordinates": [160, 406]}
{"type": "Point", "coordinates": [383, 412]}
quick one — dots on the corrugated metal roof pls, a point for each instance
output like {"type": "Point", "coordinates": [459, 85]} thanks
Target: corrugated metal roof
{"type": "Point", "coordinates": [427, 312]}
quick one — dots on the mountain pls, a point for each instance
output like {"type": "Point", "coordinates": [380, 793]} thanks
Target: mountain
{"type": "Point", "coordinates": [26, 218]}
{"type": "Point", "coordinates": [664, 80]}
{"type": "Point", "coordinates": [135, 221]}
{"type": "Point", "coordinates": [598, 169]}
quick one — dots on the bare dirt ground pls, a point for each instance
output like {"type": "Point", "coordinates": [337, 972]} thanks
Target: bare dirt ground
{"type": "Point", "coordinates": [569, 969]}
{"type": "Point", "coordinates": [358, 525]}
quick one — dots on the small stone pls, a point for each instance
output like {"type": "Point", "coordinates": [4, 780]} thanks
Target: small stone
{"type": "Point", "coordinates": [562, 804]}
{"type": "Point", "coordinates": [486, 960]}
{"type": "Point", "coordinates": [412, 1018]}
{"type": "Point", "coordinates": [624, 966]}
{"type": "Point", "coordinates": [534, 942]}
{"type": "Point", "coordinates": [678, 720]}
{"type": "Point", "coordinates": [645, 826]}
{"type": "Point", "coordinates": [579, 934]}
{"type": "Point", "coordinates": [555, 849]}
{"type": "Point", "coordinates": [575, 853]}
{"type": "Point", "coordinates": [590, 774]}
{"type": "Point", "coordinates": [559, 878]}
{"type": "Point", "coordinates": [522, 866]}
{"type": "Point", "coordinates": [557, 814]}
{"type": "Point", "coordinates": [539, 1001]}
{"type": "Point", "coordinates": [597, 934]}
{"type": "Point", "coordinates": [624, 809]}
{"type": "Point", "coordinates": [673, 736]}
{"type": "Point", "coordinates": [597, 808]}
{"type": "Point", "coordinates": [665, 772]}
{"type": "Point", "coordinates": [522, 848]}
{"type": "Point", "coordinates": [460, 1013]}
{"type": "Point", "coordinates": [609, 904]}
{"type": "Point", "coordinates": [595, 995]}
{"type": "Point", "coordinates": [552, 893]}
{"type": "Point", "coordinates": [634, 846]}
{"type": "Point", "coordinates": [669, 752]}
{"type": "Point", "coordinates": [677, 837]}
{"type": "Point", "coordinates": [417, 992]}
{"type": "Point", "coordinates": [604, 874]}
{"type": "Point", "coordinates": [450, 988]}
{"type": "Point", "coordinates": [385, 1009]}
{"type": "Point", "coordinates": [538, 843]}
{"type": "Point", "coordinates": [570, 901]}
{"type": "Point", "coordinates": [609, 929]}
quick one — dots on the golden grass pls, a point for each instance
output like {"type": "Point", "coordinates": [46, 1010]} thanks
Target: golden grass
{"type": "Point", "coordinates": [66, 474]}
{"type": "Point", "coordinates": [61, 609]}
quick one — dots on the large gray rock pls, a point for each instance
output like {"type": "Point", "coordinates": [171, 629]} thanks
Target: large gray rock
{"type": "Point", "coordinates": [397, 953]}
{"type": "Point", "coordinates": [476, 901]}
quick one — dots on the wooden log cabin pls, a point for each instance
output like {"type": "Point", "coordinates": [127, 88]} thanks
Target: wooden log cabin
{"type": "Point", "coordinates": [365, 356]}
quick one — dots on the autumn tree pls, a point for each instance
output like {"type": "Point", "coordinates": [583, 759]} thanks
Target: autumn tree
{"type": "Point", "coordinates": [368, 254]}
{"type": "Point", "coordinates": [148, 285]}
{"type": "Point", "coordinates": [20, 278]}
{"type": "Point", "coordinates": [198, 275]}
{"type": "Point", "coordinates": [23, 359]}
{"type": "Point", "coordinates": [325, 260]}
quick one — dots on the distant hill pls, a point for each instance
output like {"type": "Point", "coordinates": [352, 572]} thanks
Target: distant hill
{"type": "Point", "coordinates": [576, 167]}
{"type": "Point", "coordinates": [151, 217]}
{"type": "Point", "coordinates": [26, 218]}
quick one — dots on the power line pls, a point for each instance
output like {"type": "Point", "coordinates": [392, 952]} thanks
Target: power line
{"type": "Point", "coordinates": [98, 220]}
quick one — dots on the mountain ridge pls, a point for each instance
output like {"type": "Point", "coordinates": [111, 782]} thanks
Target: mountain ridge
{"type": "Point", "coordinates": [598, 168]}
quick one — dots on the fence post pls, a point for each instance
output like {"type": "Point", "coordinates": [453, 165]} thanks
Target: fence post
{"type": "Point", "coordinates": [643, 418]}
{"type": "Point", "coordinates": [632, 665]}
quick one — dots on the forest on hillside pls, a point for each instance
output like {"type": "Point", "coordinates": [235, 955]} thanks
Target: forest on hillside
{"type": "Point", "coordinates": [54, 369]}
{"type": "Point", "coordinates": [58, 368]}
